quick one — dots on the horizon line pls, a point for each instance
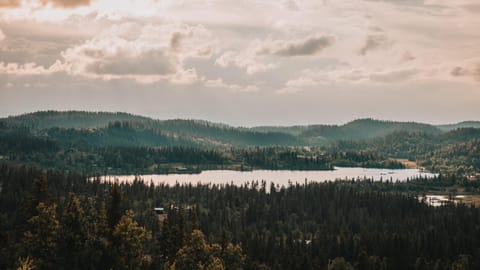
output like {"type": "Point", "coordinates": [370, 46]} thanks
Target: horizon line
{"type": "Point", "coordinates": [232, 125]}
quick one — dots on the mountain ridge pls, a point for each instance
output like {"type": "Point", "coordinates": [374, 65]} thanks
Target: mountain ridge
{"type": "Point", "coordinates": [205, 132]}
{"type": "Point", "coordinates": [125, 115]}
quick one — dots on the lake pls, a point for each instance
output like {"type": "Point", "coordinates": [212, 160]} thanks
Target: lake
{"type": "Point", "coordinates": [439, 200]}
{"type": "Point", "coordinates": [279, 177]}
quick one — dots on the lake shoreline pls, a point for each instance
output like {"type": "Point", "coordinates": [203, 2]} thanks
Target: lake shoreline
{"type": "Point", "coordinates": [278, 177]}
{"type": "Point", "coordinates": [198, 169]}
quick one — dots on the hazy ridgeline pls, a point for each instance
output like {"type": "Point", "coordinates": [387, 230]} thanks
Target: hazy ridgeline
{"type": "Point", "coordinates": [120, 143]}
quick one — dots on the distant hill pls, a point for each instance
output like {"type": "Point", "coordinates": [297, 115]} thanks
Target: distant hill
{"type": "Point", "coordinates": [292, 130]}
{"type": "Point", "coordinates": [465, 124]}
{"type": "Point", "coordinates": [76, 139]}
{"type": "Point", "coordinates": [224, 134]}
{"type": "Point", "coordinates": [115, 134]}
{"type": "Point", "coordinates": [146, 131]}
{"type": "Point", "coordinates": [94, 128]}
{"type": "Point", "coordinates": [70, 119]}
{"type": "Point", "coordinates": [361, 129]}
{"type": "Point", "coordinates": [370, 128]}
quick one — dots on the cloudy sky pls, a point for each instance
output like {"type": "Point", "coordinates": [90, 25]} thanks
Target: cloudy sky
{"type": "Point", "coordinates": [244, 62]}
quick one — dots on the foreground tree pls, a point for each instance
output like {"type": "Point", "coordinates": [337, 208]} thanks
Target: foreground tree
{"type": "Point", "coordinates": [128, 239]}
{"type": "Point", "coordinates": [41, 240]}
{"type": "Point", "coordinates": [198, 254]}
{"type": "Point", "coordinates": [73, 238]}
{"type": "Point", "coordinates": [339, 263]}
{"type": "Point", "coordinates": [99, 239]}
{"type": "Point", "coordinates": [26, 264]}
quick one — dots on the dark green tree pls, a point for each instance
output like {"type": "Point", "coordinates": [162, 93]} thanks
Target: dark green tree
{"type": "Point", "coordinates": [73, 250]}
{"type": "Point", "coordinates": [115, 206]}
{"type": "Point", "coordinates": [128, 243]}
{"type": "Point", "coordinates": [41, 241]}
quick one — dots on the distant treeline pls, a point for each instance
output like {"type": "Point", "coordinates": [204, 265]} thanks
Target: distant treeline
{"type": "Point", "coordinates": [123, 149]}
{"type": "Point", "coordinates": [84, 141]}
{"type": "Point", "coordinates": [457, 151]}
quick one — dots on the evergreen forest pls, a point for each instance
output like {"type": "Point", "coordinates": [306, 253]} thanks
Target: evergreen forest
{"type": "Point", "coordinates": [57, 213]}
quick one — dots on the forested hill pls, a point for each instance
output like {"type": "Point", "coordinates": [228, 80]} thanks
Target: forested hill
{"type": "Point", "coordinates": [199, 132]}
{"type": "Point", "coordinates": [79, 140]}
{"type": "Point", "coordinates": [360, 129]}
{"type": "Point", "coordinates": [104, 128]}
{"type": "Point", "coordinates": [71, 119]}
{"type": "Point", "coordinates": [363, 129]}
{"type": "Point", "coordinates": [464, 124]}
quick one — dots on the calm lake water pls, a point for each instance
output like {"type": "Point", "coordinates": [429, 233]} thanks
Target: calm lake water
{"type": "Point", "coordinates": [439, 200]}
{"type": "Point", "coordinates": [279, 177]}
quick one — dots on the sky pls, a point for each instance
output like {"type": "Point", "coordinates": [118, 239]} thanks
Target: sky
{"type": "Point", "coordinates": [244, 62]}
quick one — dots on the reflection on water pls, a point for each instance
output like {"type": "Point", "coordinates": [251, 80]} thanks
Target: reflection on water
{"type": "Point", "coordinates": [439, 200]}
{"type": "Point", "coordinates": [435, 200]}
{"type": "Point", "coordinates": [279, 177]}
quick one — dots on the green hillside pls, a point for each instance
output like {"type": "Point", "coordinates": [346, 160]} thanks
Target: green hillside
{"type": "Point", "coordinates": [464, 124]}
{"type": "Point", "coordinates": [292, 130]}
{"type": "Point", "coordinates": [199, 132]}
{"type": "Point", "coordinates": [362, 129]}
{"type": "Point", "coordinates": [456, 151]}
{"type": "Point", "coordinates": [99, 128]}
{"type": "Point", "coordinates": [71, 119]}
{"type": "Point", "coordinates": [97, 140]}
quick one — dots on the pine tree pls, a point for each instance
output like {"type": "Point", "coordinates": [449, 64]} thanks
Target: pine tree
{"type": "Point", "coordinates": [128, 240]}
{"type": "Point", "coordinates": [41, 241]}
{"type": "Point", "coordinates": [339, 263]}
{"type": "Point", "coordinates": [26, 264]}
{"type": "Point", "coordinates": [73, 238]}
{"type": "Point", "coordinates": [233, 257]}
{"type": "Point", "coordinates": [115, 206]}
{"type": "Point", "coordinates": [98, 242]}
{"type": "Point", "coordinates": [198, 254]}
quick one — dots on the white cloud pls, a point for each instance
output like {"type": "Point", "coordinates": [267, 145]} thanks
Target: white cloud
{"type": "Point", "coordinates": [156, 53]}
{"type": "Point", "coordinates": [393, 76]}
{"type": "Point", "coordinates": [66, 3]}
{"type": "Point", "coordinates": [117, 57]}
{"type": "Point", "coordinates": [309, 45]}
{"type": "Point", "coordinates": [253, 58]}
{"type": "Point", "coordinates": [245, 60]}
{"type": "Point", "coordinates": [290, 5]}
{"type": "Point", "coordinates": [288, 90]}
{"type": "Point", "coordinates": [30, 69]}
{"type": "Point", "coordinates": [402, 2]}
{"type": "Point", "coordinates": [10, 3]}
{"type": "Point", "coordinates": [304, 81]}
{"type": "Point", "coordinates": [469, 69]}
{"type": "Point", "coordinates": [54, 3]}
{"type": "Point", "coordinates": [349, 75]}
{"type": "Point", "coordinates": [219, 83]}
{"type": "Point", "coordinates": [185, 76]}
{"type": "Point", "coordinates": [375, 42]}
